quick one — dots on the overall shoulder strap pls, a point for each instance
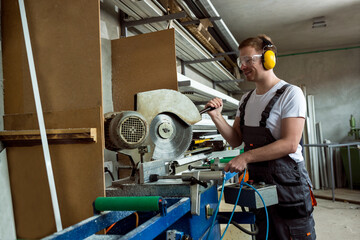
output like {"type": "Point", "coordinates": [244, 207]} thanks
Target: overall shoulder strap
{"type": "Point", "coordinates": [242, 108]}
{"type": "Point", "coordinates": [266, 113]}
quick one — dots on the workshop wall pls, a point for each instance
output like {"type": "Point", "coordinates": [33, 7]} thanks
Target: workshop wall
{"type": "Point", "coordinates": [333, 77]}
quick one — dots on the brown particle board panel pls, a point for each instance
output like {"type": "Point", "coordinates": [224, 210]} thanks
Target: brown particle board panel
{"type": "Point", "coordinates": [142, 63]}
{"type": "Point", "coordinates": [78, 173]}
{"type": "Point", "coordinates": [65, 37]}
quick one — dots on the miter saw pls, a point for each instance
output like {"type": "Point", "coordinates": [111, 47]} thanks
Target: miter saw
{"type": "Point", "coordinates": [169, 204]}
{"type": "Point", "coordinates": [160, 130]}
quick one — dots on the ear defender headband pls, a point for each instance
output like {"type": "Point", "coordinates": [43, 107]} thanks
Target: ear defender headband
{"type": "Point", "coordinates": [268, 56]}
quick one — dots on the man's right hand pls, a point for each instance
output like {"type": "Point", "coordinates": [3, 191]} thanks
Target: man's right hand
{"type": "Point", "coordinates": [217, 103]}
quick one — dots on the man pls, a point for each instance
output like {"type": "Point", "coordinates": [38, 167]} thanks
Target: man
{"type": "Point", "coordinates": [270, 121]}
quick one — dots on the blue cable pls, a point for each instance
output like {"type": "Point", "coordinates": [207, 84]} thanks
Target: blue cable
{"type": "Point", "coordinates": [217, 208]}
{"type": "Point", "coordinates": [236, 202]}
{"type": "Point", "coordinates": [266, 212]}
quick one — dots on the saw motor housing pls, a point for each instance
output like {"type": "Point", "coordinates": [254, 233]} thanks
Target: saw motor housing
{"type": "Point", "coordinates": [125, 130]}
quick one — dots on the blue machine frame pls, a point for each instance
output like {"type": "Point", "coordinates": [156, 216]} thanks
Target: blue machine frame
{"type": "Point", "coordinates": [178, 218]}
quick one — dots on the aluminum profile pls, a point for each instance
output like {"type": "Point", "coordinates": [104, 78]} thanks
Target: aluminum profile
{"type": "Point", "coordinates": [187, 47]}
{"type": "Point", "coordinates": [198, 92]}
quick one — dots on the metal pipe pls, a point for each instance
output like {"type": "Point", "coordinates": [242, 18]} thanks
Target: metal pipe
{"type": "Point", "coordinates": [350, 172]}
{"type": "Point", "coordinates": [332, 175]}
{"type": "Point", "coordinates": [318, 51]}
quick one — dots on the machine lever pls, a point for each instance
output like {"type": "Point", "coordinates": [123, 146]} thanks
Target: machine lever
{"type": "Point", "coordinates": [196, 181]}
{"type": "Point", "coordinates": [193, 180]}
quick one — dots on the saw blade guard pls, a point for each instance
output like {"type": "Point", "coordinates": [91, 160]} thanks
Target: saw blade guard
{"type": "Point", "coordinates": [171, 115]}
{"type": "Point", "coordinates": [152, 103]}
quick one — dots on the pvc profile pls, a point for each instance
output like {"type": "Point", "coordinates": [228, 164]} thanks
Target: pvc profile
{"type": "Point", "coordinates": [40, 117]}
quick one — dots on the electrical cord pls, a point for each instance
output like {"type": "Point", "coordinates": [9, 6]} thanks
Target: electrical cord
{"type": "Point", "coordinates": [106, 170]}
{"type": "Point", "coordinates": [256, 231]}
{"type": "Point", "coordinates": [217, 208]}
{"type": "Point", "coordinates": [266, 212]}
{"type": "Point", "coordinates": [230, 219]}
{"type": "Point", "coordinates": [236, 202]}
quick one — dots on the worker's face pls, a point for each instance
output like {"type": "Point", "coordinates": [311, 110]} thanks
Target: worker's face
{"type": "Point", "coordinates": [250, 63]}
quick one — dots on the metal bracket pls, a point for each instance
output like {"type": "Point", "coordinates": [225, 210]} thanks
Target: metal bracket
{"type": "Point", "coordinates": [195, 195]}
{"type": "Point", "coordinates": [184, 63]}
{"type": "Point", "coordinates": [216, 165]}
{"type": "Point", "coordinates": [2, 146]}
{"type": "Point", "coordinates": [153, 167]}
{"type": "Point", "coordinates": [125, 24]}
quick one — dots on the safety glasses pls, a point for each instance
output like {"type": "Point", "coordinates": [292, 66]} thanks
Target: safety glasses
{"type": "Point", "coordinates": [247, 60]}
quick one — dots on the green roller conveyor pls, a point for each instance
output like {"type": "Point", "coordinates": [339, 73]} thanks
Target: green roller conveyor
{"type": "Point", "coordinates": [146, 203]}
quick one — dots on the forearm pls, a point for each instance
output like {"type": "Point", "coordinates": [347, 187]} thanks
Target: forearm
{"type": "Point", "coordinates": [228, 132]}
{"type": "Point", "coordinates": [275, 150]}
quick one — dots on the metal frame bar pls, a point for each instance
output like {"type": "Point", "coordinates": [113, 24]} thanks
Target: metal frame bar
{"type": "Point", "coordinates": [148, 230]}
{"type": "Point", "coordinates": [90, 226]}
{"type": "Point", "coordinates": [330, 146]}
{"type": "Point", "coordinates": [157, 224]}
{"type": "Point", "coordinates": [155, 19]}
{"type": "Point", "coordinates": [123, 29]}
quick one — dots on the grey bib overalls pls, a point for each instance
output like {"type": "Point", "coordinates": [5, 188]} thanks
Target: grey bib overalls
{"type": "Point", "coordinates": [292, 217]}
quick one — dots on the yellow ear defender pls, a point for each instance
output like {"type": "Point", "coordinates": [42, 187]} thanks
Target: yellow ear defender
{"type": "Point", "coordinates": [268, 56]}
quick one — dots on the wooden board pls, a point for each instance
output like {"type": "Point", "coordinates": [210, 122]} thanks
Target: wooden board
{"type": "Point", "coordinates": [66, 45]}
{"type": "Point", "coordinates": [142, 63]}
{"type": "Point", "coordinates": [19, 138]}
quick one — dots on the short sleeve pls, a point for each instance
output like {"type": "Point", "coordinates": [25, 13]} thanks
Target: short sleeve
{"type": "Point", "coordinates": [294, 103]}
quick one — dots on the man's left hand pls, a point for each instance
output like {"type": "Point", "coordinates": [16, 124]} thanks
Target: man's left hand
{"type": "Point", "coordinates": [237, 164]}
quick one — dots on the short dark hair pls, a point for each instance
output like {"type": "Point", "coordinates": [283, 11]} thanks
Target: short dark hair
{"type": "Point", "coordinates": [258, 42]}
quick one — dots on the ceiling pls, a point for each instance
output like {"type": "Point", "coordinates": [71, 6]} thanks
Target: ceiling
{"type": "Point", "coordinates": [289, 23]}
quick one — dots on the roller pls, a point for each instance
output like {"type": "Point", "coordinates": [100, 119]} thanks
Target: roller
{"type": "Point", "coordinates": [147, 203]}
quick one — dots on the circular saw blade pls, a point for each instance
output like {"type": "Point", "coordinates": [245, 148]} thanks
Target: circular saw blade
{"type": "Point", "coordinates": [171, 136]}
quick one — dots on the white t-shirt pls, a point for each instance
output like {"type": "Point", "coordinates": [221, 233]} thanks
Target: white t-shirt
{"type": "Point", "coordinates": [290, 104]}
